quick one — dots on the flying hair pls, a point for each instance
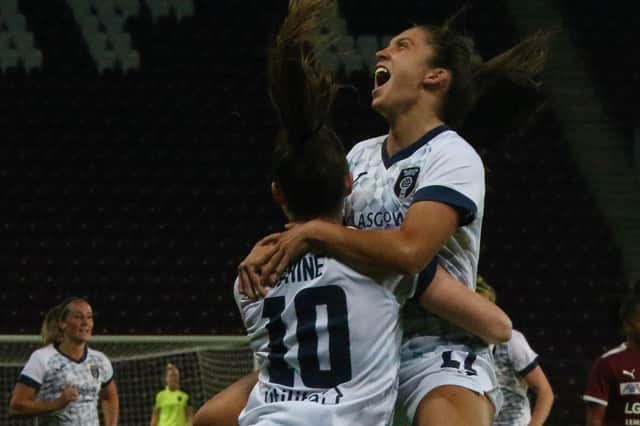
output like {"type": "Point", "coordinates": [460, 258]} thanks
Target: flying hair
{"type": "Point", "coordinates": [300, 90]}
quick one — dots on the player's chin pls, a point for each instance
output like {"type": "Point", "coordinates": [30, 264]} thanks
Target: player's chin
{"type": "Point", "coordinates": [379, 106]}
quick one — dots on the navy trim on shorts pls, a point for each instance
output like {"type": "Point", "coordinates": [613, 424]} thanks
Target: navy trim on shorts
{"type": "Point", "coordinates": [465, 207]}
{"type": "Point", "coordinates": [408, 151]}
{"type": "Point", "coordinates": [529, 368]}
{"type": "Point", "coordinates": [28, 381]}
{"type": "Point", "coordinates": [425, 278]}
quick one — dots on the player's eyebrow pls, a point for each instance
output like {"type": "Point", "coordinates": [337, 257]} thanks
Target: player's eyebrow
{"type": "Point", "coordinates": [404, 39]}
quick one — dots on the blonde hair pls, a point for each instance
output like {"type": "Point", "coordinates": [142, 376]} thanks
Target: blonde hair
{"type": "Point", "coordinates": [483, 287]}
{"type": "Point", "coordinates": [50, 331]}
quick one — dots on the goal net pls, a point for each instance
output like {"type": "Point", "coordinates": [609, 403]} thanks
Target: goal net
{"type": "Point", "coordinates": [207, 365]}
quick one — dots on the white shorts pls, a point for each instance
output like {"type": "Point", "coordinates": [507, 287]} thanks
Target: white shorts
{"type": "Point", "coordinates": [429, 362]}
{"type": "Point", "coordinates": [285, 410]}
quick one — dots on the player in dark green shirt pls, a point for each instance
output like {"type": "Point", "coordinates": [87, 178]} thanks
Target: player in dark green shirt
{"type": "Point", "coordinates": [172, 406]}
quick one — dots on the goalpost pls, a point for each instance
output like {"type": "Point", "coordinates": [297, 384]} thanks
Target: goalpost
{"type": "Point", "coordinates": [207, 365]}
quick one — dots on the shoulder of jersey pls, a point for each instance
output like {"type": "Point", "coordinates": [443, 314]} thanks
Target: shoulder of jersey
{"type": "Point", "coordinates": [516, 333]}
{"type": "Point", "coordinates": [615, 350]}
{"type": "Point", "coordinates": [378, 140]}
{"type": "Point", "coordinates": [452, 140]}
{"type": "Point", "coordinates": [97, 353]}
{"type": "Point", "coordinates": [45, 351]}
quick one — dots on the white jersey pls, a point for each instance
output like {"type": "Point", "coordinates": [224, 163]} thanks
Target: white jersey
{"type": "Point", "coordinates": [514, 360]}
{"type": "Point", "coordinates": [441, 167]}
{"type": "Point", "coordinates": [48, 371]}
{"type": "Point", "coordinates": [326, 342]}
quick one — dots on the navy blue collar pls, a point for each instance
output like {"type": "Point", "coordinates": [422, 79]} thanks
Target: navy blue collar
{"type": "Point", "coordinates": [409, 150]}
{"type": "Point", "coordinates": [77, 361]}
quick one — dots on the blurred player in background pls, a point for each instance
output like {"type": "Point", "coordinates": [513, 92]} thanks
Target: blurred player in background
{"type": "Point", "coordinates": [418, 195]}
{"type": "Point", "coordinates": [363, 344]}
{"type": "Point", "coordinates": [63, 381]}
{"type": "Point", "coordinates": [518, 372]}
{"type": "Point", "coordinates": [172, 406]}
{"type": "Point", "coordinates": [613, 388]}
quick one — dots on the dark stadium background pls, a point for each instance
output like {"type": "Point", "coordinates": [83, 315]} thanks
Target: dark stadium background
{"type": "Point", "coordinates": [143, 189]}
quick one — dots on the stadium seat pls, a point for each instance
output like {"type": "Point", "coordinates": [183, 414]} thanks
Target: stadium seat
{"type": "Point", "coordinates": [158, 8]}
{"type": "Point", "coordinates": [183, 8]}
{"type": "Point", "coordinates": [8, 7]}
{"type": "Point", "coordinates": [8, 59]}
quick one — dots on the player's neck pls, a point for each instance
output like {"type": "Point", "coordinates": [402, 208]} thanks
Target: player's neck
{"type": "Point", "coordinates": [407, 128]}
{"type": "Point", "coordinates": [74, 350]}
{"type": "Point", "coordinates": [633, 345]}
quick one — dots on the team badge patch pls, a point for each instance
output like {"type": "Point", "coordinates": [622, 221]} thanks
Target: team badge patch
{"type": "Point", "coordinates": [95, 371]}
{"type": "Point", "coordinates": [406, 181]}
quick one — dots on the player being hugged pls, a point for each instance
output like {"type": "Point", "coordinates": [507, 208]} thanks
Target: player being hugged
{"type": "Point", "coordinates": [63, 381]}
{"type": "Point", "coordinates": [327, 336]}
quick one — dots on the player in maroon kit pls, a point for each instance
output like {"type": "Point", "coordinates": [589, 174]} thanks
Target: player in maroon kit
{"type": "Point", "coordinates": [613, 389]}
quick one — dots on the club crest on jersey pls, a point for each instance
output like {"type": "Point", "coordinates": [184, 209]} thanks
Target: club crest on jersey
{"type": "Point", "coordinates": [95, 371]}
{"type": "Point", "coordinates": [406, 181]}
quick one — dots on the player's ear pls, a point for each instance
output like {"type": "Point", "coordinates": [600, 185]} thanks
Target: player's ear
{"type": "Point", "coordinates": [348, 184]}
{"type": "Point", "coordinates": [278, 196]}
{"type": "Point", "coordinates": [436, 77]}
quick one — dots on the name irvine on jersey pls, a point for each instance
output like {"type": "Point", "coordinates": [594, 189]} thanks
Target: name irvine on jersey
{"type": "Point", "coordinates": [383, 219]}
{"type": "Point", "coordinates": [308, 268]}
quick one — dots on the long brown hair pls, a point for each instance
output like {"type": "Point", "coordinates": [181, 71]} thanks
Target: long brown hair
{"type": "Point", "coordinates": [472, 77]}
{"type": "Point", "coordinates": [309, 163]}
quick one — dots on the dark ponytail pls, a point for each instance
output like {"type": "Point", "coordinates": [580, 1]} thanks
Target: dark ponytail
{"type": "Point", "coordinates": [309, 164]}
{"type": "Point", "coordinates": [472, 77]}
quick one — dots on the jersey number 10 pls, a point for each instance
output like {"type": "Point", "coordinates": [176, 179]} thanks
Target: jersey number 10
{"type": "Point", "coordinates": [305, 302]}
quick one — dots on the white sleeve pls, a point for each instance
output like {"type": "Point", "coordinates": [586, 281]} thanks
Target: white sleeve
{"type": "Point", "coordinates": [250, 310]}
{"type": "Point", "coordinates": [454, 176]}
{"type": "Point", "coordinates": [524, 359]}
{"type": "Point", "coordinates": [106, 375]}
{"type": "Point", "coordinates": [34, 370]}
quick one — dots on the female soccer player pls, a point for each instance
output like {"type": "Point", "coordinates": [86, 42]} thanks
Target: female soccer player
{"type": "Point", "coordinates": [418, 194]}
{"type": "Point", "coordinates": [62, 382]}
{"type": "Point", "coordinates": [172, 406]}
{"type": "Point", "coordinates": [519, 372]}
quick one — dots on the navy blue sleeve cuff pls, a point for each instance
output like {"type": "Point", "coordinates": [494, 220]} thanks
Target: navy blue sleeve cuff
{"type": "Point", "coordinates": [465, 207]}
{"type": "Point", "coordinates": [105, 384]}
{"type": "Point", "coordinates": [28, 381]}
{"type": "Point", "coordinates": [528, 368]}
{"type": "Point", "coordinates": [425, 277]}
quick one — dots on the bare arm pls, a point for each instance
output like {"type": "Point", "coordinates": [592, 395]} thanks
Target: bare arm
{"type": "Point", "coordinates": [538, 383]}
{"type": "Point", "coordinates": [110, 404]}
{"type": "Point", "coordinates": [406, 250]}
{"type": "Point", "coordinates": [23, 401]}
{"type": "Point", "coordinates": [189, 412]}
{"type": "Point", "coordinates": [155, 414]}
{"type": "Point", "coordinates": [451, 300]}
{"type": "Point", "coordinates": [595, 414]}
{"type": "Point", "coordinates": [224, 408]}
